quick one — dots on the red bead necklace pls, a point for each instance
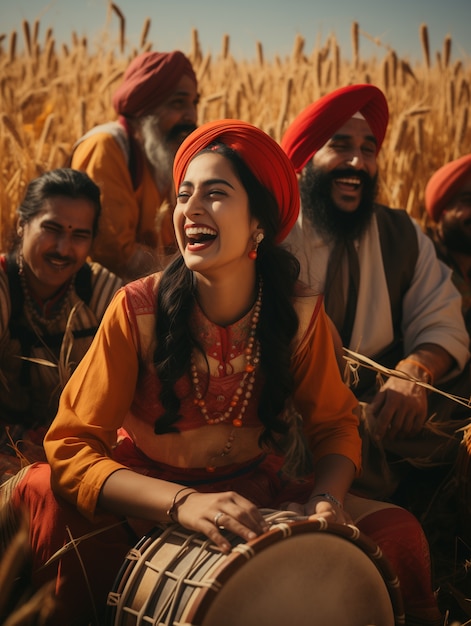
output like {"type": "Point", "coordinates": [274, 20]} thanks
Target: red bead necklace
{"type": "Point", "coordinates": [234, 413]}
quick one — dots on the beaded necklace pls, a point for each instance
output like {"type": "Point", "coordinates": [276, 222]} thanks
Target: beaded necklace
{"type": "Point", "coordinates": [30, 307]}
{"type": "Point", "coordinates": [234, 413]}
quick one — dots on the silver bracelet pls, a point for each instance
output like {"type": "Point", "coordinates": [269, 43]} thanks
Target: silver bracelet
{"type": "Point", "coordinates": [328, 496]}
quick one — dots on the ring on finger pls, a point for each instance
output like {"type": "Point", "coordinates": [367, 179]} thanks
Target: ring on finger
{"type": "Point", "coordinates": [216, 519]}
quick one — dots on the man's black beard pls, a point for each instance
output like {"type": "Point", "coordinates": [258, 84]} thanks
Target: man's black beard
{"type": "Point", "coordinates": [316, 197]}
{"type": "Point", "coordinates": [454, 238]}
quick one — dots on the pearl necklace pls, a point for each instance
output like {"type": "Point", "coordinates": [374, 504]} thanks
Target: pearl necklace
{"type": "Point", "coordinates": [243, 393]}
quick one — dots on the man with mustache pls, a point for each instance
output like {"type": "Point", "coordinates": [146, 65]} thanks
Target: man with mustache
{"type": "Point", "coordinates": [448, 204]}
{"type": "Point", "coordinates": [386, 292]}
{"type": "Point", "coordinates": [131, 160]}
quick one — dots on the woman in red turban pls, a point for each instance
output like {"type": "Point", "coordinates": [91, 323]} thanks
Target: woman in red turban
{"type": "Point", "coordinates": [200, 381]}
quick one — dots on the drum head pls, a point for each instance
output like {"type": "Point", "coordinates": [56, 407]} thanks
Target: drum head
{"type": "Point", "coordinates": [314, 579]}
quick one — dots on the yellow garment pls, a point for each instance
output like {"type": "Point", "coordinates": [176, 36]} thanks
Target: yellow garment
{"type": "Point", "coordinates": [97, 398]}
{"type": "Point", "coordinates": [129, 217]}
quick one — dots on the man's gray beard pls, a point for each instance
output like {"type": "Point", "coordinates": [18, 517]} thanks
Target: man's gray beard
{"type": "Point", "coordinates": [157, 152]}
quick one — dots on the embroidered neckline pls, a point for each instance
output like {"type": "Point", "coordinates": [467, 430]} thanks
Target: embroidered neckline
{"type": "Point", "coordinates": [222, 343]}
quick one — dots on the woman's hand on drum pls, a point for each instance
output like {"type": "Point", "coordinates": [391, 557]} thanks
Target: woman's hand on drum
{"type": "Point", "coordinates": [319, 506]}
{"type": "Point", "coordinates": [209, 513]}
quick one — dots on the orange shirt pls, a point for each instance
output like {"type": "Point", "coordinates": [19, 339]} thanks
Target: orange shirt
{"type": "Point", "coordinates": [129, 216]}
{"type": "Point", "coordinates": [99, 396]}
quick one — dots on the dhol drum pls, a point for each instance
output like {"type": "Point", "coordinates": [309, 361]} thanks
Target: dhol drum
{"type": "Point", "coordinates": [300, 572]}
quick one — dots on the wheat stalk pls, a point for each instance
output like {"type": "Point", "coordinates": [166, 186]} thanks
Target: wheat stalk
{"type": "Point", "coordinates": [284, 108]}
{"type": "Point", "coordinates": [336, 75]}
{"type": "Point", "coordinates": [112, 78]}
{"type": "Point", "coordinates": [44, 135]}
{"type": "Point", "coordinates": [12, 47]}
{"type": "Point", "coordinates": [356, 359]}
{"type": "Point", "coordinates": [35, 35]}
{"type": "Point", "coordinates": [298, 49]}
{"type": "Point", "coordinates": [225, 46]}
{"type": "Point", "coordinates": [122, 25]}
{"type": "Point", "coordinates": [50, 53]}
{"type": "Point", "coordinates": [259, 47]}
{"type": "Point", "coordinates": [145, 32]}
{"type": "Point", "coordinates": [27, 36]}
{"type": "Point", "coordinates": [461, 129]}
{"type": "Point", "coordinates": [195, 51]}
{"type": "Point", "coordinates": [423, 32]}
{"type": "Point", "coordinates": [400, 134]}
{"type": "Point", "coordinates": [419, 134]}
{"type": "Point", "coordinates": [385, 74]}
{"type": "Point", "coordinates": [204, 68]}
{"type": "Point", "coordinates": [355, 30]}
{"type": "Point", "coordinates": [10, 126]}
{"type": "Point", "coordinates": [447, 51]}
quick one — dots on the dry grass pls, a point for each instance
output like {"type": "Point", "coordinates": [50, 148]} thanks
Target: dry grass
{"type": "Point", "coordinates": [20, 605]}
{"type": "Point", "coordinates": [50, 96]}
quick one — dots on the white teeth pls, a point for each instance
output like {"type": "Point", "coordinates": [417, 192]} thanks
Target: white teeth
{"type": "Point", "coordinates": [200, 230]}
{"type": "Point", "coordinates": [349, 181]}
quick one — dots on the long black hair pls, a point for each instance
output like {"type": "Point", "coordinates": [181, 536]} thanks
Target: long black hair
{"type": "Point", "coordinates": [278, 270]}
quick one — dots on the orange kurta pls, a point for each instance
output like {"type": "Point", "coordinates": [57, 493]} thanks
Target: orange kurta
{"type": "Point", "coordinates": [99, 398]}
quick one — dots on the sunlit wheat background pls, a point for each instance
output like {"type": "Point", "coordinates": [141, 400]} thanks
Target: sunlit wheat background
{"type": "Point", "coordinates": [50, 94]}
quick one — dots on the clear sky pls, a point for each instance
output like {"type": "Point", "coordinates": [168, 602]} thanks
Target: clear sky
{"type": "Point", "coordinates": [275, 23]}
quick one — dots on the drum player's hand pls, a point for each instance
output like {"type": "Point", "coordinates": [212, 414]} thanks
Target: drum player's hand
{"type": "Point", "coordinates": [316, 508]}
{"type": "Point", "coordinates": [209, 513]}
{"type": "Point", "coordinates": [399, 409]}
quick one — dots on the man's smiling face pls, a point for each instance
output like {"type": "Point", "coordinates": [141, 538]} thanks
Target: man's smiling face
{"type": "Point", "coordinates": [348, 155]}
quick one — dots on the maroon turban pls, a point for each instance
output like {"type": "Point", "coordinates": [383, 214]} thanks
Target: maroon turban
{"type": "Point", "coordinates": [314, 126]}
{"type": "Point", "coordinates": [445, 184]}
{"type": "Point", "coordinates": [262, 155]}
{"type": "Point", "coordinates": [149, 80]}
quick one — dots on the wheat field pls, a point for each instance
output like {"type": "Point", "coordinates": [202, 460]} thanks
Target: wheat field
{"type": "Point", "coordinates": [50, 95]}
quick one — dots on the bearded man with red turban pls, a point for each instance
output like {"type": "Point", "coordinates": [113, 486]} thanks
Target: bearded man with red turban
{"type": "Point", "coordinates": [448, 204]}
{"type": "Point", "coordinates": [131, 160]}
{"type": "Point", "coordinates": [386, 292]}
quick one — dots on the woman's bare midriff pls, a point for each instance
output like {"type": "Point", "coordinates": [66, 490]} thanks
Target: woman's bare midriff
{"type": "Point", "coordinates": [197, 447]}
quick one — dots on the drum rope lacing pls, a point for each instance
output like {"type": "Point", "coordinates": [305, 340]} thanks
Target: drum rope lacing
{"type": "Point", "coordinates": [202, 564]}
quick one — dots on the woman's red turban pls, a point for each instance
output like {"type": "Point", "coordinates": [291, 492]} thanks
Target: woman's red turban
{"type": "Point", "coordinates": [262, 155]}
{"type": "Point", "coordinates": [445, 184]}
{"type": "Point", "coordinates": [149, 80]}
{"type": "Point", "coordinates": [314, 126]}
